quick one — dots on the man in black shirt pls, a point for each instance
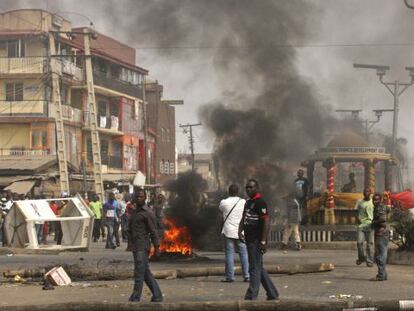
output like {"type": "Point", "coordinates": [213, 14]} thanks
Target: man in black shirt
{"type": "Point", "coordinates": [301, 187]}
{"type": "Point", "coordinates": [141, 228]}
{"type": "Point", "coordinates": [382, 236]}
{"type": "Point", "coordinates": [255, 224]}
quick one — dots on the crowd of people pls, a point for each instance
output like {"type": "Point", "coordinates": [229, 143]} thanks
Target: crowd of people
{"type": "Point", "coordinates": [245, 226]}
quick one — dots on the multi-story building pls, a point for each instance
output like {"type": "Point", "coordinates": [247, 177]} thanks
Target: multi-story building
{"type": "Point", "coordinates": [28, 115]}
{"type": "Point", "coordinates": [161, 123]}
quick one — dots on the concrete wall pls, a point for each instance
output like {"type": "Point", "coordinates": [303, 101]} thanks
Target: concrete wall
{"type": "Point", "coordinates": [34, 20]}
{"type": "Point", "coordinates": [14, 136]}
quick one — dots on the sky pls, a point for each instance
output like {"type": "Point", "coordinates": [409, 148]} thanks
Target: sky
{"type": "Point", "coordinates": [181, 53]}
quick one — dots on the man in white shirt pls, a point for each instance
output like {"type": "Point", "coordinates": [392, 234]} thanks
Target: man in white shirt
{"type": "Point", "coordinates": [232, 210]}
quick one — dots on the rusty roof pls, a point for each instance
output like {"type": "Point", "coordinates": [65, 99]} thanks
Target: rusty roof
{"type": "Point", "coordinates": [32, 164]}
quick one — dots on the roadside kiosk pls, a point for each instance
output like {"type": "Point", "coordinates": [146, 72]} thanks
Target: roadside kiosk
{"type": "Point", "coordinates": [75, 217]}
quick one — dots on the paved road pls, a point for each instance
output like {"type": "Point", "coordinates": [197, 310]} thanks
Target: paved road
{"type": "Point", "coordinates": [346, 279]}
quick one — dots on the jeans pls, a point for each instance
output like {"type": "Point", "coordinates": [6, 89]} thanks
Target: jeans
{"type": "Point", "coordinates": [142, 273]}
{"type": "Point", "coordinates": [96, 229]}
{"type": "Point", "coordinates": [124, 227]}
{"type": "Point", "coordinates": [258, 274]}
{"type": "Point", "coordinates": [381, 252]}
{"type": "Point", "coordinates": [368, 236]}
{"type": "Point", "coordinates": [39, 232]}
{"type": "Point", "coordinates": [229, 254]}
{"type": "Point", "coordinates": [116, 232]}
{"type": "Point", "coordinates": [109, 224]}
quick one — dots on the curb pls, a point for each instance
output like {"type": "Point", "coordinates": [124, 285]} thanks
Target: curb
{"type": "Point", "coordinates": [283, 305]}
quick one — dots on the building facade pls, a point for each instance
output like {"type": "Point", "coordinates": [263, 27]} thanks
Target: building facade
{"type": "Point", "coordinates": [161, 123]}
{"type": "Point", "coordinates": [28, 115]}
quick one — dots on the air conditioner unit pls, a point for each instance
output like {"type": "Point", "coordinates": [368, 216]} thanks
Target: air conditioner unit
{"type": "Point", "coordinates": [57, 21]}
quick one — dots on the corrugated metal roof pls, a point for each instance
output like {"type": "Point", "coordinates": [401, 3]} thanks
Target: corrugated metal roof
{"type": "Point", "coordinates": [26, 163]}
{"type": "Point", "coordinates": [21, 187]}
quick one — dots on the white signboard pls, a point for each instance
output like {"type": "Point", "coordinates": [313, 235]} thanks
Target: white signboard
{"type": "Point", "coordinates": [80, 207]}
{"type": "Point", "coordinates": [36, 209]}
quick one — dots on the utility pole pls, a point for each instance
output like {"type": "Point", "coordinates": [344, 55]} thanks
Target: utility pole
{"type": "Point", "coordinates": [396, 88]}
{"type": "Point", "coordinates": [191, 140]}
{"type": "Point", "coordinates": [367, 124]}
{"type": "Point", "coordinates": [60, 129]}
{"type": "Point", "coordinates": [93, 119]}
{"type": "Point", "coordinates": [145, 128]}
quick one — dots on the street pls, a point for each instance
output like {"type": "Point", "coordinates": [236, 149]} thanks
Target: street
{"type": "Point", "coordinates": [347, 282]}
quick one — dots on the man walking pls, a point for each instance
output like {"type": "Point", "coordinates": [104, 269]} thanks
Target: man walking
{"type": "Point", "coordinates": [141, 228]}
{"type": "Point", "coordinates": [301, 185]}
{"type": "Point", "coordinates": [110, 209]}
{"type": "Point", "coordinates": [382, 236]}
{"type": "Point", "coordinates": [232, 212]}
{"type": "Point", "coordinates": [364, 230]}
{"type": "Point", "coordinates": [96, 206]}
{"type": "Point", "coordinates": [256, 224]}
{"type": "Point", "coordinates": [293, 220]}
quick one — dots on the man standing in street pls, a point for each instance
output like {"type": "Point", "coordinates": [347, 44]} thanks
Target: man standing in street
{"type": "Point", "coordinates": [382, 236]}
{"type": "Point", "coordinates": [141, 229]}
{"type": "Point", "coordinates": [364, 230]}
{"type": "Point", "coordinates": [293, 220]}
{"type": "Point", "coordinates": [109, 213]}
{"type": "Point", "coordinates": [96, 206]}
{"type": "Point", "coordinates": [232, 212]}
{"type": "Point", "coordinates": [301, 186]}
{"type": "Point", "coordinates": [256, 224]}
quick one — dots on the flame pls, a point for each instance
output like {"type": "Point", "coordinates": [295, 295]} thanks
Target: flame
{"type": "Point", "coordinates": [177, 239]}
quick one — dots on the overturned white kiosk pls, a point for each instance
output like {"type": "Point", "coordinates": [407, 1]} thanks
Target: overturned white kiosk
{"type": "Point", "coordinates": [75, 217]}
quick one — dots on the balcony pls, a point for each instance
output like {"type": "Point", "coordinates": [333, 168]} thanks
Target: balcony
{"type": "Point", "coordinates": [72, 70]}
{"type": "Point", "coordinates": [108, 125]}
{"type": "Point", "coordinates": [112, 83]}
{"type": "Point", "coordinates": [68, 113]}
{"type": "Point", "coordinates": [23, 108]}
{"type": "Point", "coordinates": [23, 65]}
{"type": "Point", "coordinates": [22, 152]}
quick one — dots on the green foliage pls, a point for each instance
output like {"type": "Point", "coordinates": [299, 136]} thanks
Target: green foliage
{"type": "Point", "coordinates": [404, 226]}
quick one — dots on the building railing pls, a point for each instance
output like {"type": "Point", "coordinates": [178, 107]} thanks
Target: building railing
{"type": "Point", "coordinates": [71, 69]}
{"type": "Point", "coordinates": [68, 113]}
{"type": "Point", "coordinates": [101, 79]}
{"type": "Point", "coordinates": [23, 65]}
{"type": "Point", "coordinates": [23, 108]}
{"type": "Point", "coordinates": [20, 152]}
{"type": "Point", "coordinates": [111, 123]}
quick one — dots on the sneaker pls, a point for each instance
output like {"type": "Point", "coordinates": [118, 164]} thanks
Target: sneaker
{"type": "Point", "coordinates": [227, 281]}
{"type": "Point", "coordinates": [246, 280]}
{"type": "Point", "coordinates": [156, 299]}
{"type": "Point", "coordinates": [298, 246]}
{"type": "Point", "coordinates": [358, 262]}
{"type": "Point", "coordinates": [370, 264]}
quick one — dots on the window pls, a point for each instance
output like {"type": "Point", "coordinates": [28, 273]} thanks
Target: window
{"type": "Point", "coordinates": [14, 91]}
{"type": "Point", "coordinates": [162, 134]}
{"type": "Point", "coordinates": [168, 135]}
{"type": "Point", "coordinates": [172, 168]}
{"type": "Point", "coordinates": [39, 138]}
{"type": "Point", "coordinates": [167, 167]}
{"type": "Point", "coordinates": [16, 48]}
{"type": "Point", "coordinates": [161, 167]}
{"type": "Point", "coordinates": [104, 152]}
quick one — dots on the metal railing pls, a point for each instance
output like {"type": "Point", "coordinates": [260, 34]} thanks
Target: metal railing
{"type": "Point", "coordinates": [20, 152]}
{"type": "Point", "coordinates": [23, 107]}
{"type": "Point", "coordinates": [23, 65]}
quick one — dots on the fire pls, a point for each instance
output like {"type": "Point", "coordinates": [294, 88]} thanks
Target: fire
{"type": "Point", "coordinates": [177, 239]}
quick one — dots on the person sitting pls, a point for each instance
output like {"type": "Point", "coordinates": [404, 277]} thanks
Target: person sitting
{"type": "Point", "coordinates": [350, 187]}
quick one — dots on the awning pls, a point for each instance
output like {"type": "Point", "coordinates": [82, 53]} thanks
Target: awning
{"type": "Point", "coordinates": [21, 187]}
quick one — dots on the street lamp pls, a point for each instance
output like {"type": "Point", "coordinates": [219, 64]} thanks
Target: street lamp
{"type": "Point", "coordinates": [396, 88]}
